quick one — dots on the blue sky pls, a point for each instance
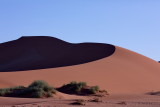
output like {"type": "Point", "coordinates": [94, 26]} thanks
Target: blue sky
{"type": "Point", "coordinates": [132, 24]}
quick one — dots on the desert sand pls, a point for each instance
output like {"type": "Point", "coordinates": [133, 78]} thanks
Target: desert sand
{"type": "Point", "coordinates": [126, 75]}
{"type": "Point", "coordinates": [110, 101]}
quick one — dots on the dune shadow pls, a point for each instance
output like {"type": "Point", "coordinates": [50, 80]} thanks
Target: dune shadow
{"type": "Point", "coordinates": [41, 52]}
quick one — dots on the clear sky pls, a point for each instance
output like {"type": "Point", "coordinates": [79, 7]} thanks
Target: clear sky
{"type": "Point", "coordinates": [132, 24]}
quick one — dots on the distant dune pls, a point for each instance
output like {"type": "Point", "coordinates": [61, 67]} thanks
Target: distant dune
{"type": "Point", "coordinates": [39, 52]}
{"type": "Point", "coordinates": [122, 72]}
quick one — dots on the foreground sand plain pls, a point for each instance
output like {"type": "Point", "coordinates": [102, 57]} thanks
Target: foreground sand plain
{"type": "Point", "coordinates": [109, 101]}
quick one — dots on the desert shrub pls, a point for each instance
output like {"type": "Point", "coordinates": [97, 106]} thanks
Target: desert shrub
{"type": "Point", "coordinates": [38, 84]}
{"type": "Point", "coordinates": [73, 87]}
{"type": "Point", "coordinates": [79, 88]}
{"type": "Point", "coordinates": [37, 89]}
{"type": "Point", "coordinates": [6, 91]}
{"type": "Point", "coordinates": [37, 92]}
{"type": "Point", "coordinates": [40, 88]}
{"type": "Point", "coordinates": [93, 90]}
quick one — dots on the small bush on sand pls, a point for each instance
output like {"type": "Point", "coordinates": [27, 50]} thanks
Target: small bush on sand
{"type": "Point", "coordinates": [41, 88]}
{"type": "Point", "coordinates": [37, 89]}
{"type": "Point", "coordinates": [6, 91]}
{"type": "Point", "coordinates": [80, 88]}
{"type": "Point", "coordinates": [94, 90]}
{"type": "Point", "coordinates": [73, 87]}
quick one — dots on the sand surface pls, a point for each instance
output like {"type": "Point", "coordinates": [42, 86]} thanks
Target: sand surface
{"type": "Point", "coordinates": [110, 101]}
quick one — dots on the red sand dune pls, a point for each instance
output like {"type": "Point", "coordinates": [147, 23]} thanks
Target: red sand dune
{"type": "Point", "coordinates": [124, 72]}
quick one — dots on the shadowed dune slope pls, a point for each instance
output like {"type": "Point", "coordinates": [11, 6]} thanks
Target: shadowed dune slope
{"type": "Point", "coordinates": [40, 52]}
{"type": "Point", "coordinates": [124, 72]}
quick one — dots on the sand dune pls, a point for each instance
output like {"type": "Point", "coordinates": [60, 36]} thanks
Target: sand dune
{"type": "Point", "coordinates": [126, 75]}
{"type": "Point", "coordinates": [124, 72]}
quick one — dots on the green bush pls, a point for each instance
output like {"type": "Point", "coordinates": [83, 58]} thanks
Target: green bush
{"type": "Point", "coordinates": [37, 89]}
{"type": "Point", "coordinates": [40, 89]}
{"type": "Point", "coordinates": [73, 87]}
{"type": "Point", "coordinates": [78, 88]}
{"type": "Point", "coordinates": [94, 90]}
{"type": "Point", "coordinates": [38, 84]}
{"type": "Point", "coordinates": [6, 91]}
